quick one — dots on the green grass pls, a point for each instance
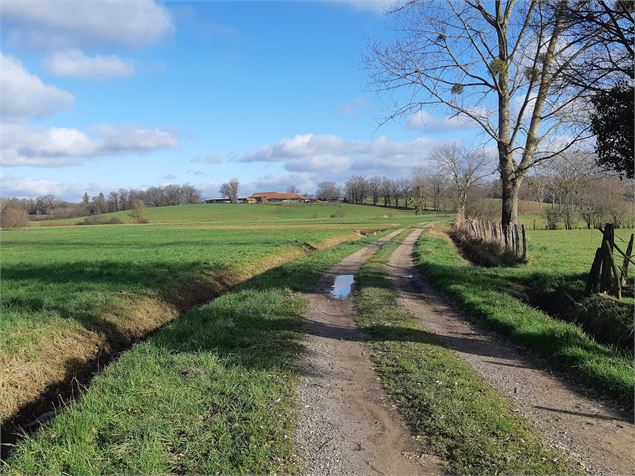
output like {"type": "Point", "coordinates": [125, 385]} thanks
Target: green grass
{"type": "Point", "coordinates": [212, 392]}
{"type": "Point", "coordinates": [448, 406]}
{"type": "Point", "coordinates": [556, 257]}
{"type": "Point", "coordinates": [71, 292]}
{"type": "Point", "coordinates": [244, 213]}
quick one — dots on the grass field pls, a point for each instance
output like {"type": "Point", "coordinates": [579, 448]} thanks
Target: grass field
{"type": "Point", "coordinates": [210, 393]}
{"type": "Point", "coordinates": [72, 293]}
{"type": "Point", "coordinates": [448, 406]}
{"type": "Point", "coordinates": [557, 258]}
{"type": "Point", "coordinates": [243, 213]}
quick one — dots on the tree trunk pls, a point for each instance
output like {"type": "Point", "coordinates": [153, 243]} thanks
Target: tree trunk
{"type": "Point", "coordinates": [509, 202]}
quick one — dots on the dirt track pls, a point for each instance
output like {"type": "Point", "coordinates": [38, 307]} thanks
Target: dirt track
{"type": "Point", "coordinates": [346, 425]}
{"type": "Point", "coordinates": [601, 438]}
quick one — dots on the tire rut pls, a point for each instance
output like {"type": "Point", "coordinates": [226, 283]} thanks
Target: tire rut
{"type": "Point", "coordinates": [600, 437]}
{"type": "Point", "coordinates": [346, 424]}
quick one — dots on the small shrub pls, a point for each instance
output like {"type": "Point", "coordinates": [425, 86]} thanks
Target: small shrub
{"type": "Point", "coordinates": [339, 213]}
{"type": "Point", "coordinates": [13, 217]}
{"type": "Point", "coordinates": [138, 212]}
{"type": "Point", "coordinates": [553, 215]}
{"type": "Point", "coordinates": [101, 220]}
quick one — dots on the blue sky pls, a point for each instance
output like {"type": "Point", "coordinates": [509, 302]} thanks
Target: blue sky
{"type": "Point", "coordinates": [97, 96]}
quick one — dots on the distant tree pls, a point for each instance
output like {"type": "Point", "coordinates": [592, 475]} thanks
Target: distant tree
{"type": "Point", "coordinates": [230, 190]}
{"type": "Point", "coordinates": [190, 194]}
{"type": "Point", "coordinates": [139, 211]}
{"type": "Point", "coordinates": [406, 189]}
{"type": "Point", "coordinates": [293, 189]}
{"type": "Point", "coordinates": [374, 189]}
{"type": "Point", "coordinates": [113, 202]}
{"type": "Point", "coordinates": [328, 191]}
{"type": "Point", "coordinates": [437, 184]}
{"type": "Point", "coordinates": [465, 168]}
{"type": "Point", "coordinates": [419, 190]}
{"type": "Point", "coordinates": [86, 199]}
{"type": "Point", "coordinates": [395, 191]}
{"type": "Point", "coordinates": [386, 190]}
{"type": "Point", "coordinates": [99, 204]}
{"type": "Point", "coordinates": [12, 216]}
{"type": "Point", "coordinates": [356, 189]}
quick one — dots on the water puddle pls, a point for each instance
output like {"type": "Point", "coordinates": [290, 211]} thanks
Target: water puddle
{"type": "Point", "coordinates": [342, 286]}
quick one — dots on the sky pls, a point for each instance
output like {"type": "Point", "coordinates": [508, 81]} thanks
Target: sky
{"type": "Point", "coordinates": [101, 95]}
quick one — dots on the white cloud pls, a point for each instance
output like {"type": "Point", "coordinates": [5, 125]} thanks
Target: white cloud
{"type": "Point", "coordinates": [425, 121]}
{"type": "Point", "coordinates": [75, 63]}
{"type": "Point", "coordinates": [62, 146]}
{"type": "Point", "coordinates": [354, 107]}
{"type": "Point", "coordinates": [333, 156]}
{"type": "Point", "coordinates": [23, 95]}
{"type": "Point", "coordinates": [24, 187]}
{"type": "Point", "coordinates": [79, 23]}
{"type": "Point", "coordinates": [168, 177]}
{"type": "Point", "coordinates": [210, 159]}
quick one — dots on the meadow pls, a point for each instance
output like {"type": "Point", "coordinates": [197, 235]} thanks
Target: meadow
{"type": "Point", "coordinates": [244, 213]}
{"type": "Point", "coordinates": [211, 392]}
{"type": "Point", "coordinates": [74, 294]}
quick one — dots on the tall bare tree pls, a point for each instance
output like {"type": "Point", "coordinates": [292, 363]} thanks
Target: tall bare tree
{"type": "Point", "coordinates": [230, 190]}
{"type": "Point", "coordinates": [502, 64]}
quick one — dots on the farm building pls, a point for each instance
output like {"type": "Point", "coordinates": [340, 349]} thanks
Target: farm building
{"type": "Point", "coordinates": [276, 197]}
{"type": "Point", "coordinates": [227, 200]}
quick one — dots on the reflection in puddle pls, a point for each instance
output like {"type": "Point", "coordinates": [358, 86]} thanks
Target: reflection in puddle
{"type": "Point", "coordinates": [342, 286]}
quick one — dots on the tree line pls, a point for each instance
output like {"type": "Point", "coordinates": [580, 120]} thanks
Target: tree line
{"type": "Point", "coordinates": [50, 207]}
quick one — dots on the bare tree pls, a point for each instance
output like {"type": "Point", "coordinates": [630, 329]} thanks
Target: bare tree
{"type": "Point", "coordinates": [386, 190]}
{"type": "Point", "coordinates": [230, 190]}
{"type": "Point", "coordinates": [293, 189]}
{"type": "Point", "coordinates": [437, 184]}
{"type": "Point", "coordinates": [328, 191]}
{"type": "Point", "coordinates": [406, 188]}
{"type": "Point", "coordinates": [374, 189]}
{"type": "Point", "coordinates": [469, 55]}
{"type": "Point", "coordinates": [465, 168]}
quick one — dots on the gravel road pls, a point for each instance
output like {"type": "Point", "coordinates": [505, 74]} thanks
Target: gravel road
{"type": "Point", "coordinates": [346, 424]}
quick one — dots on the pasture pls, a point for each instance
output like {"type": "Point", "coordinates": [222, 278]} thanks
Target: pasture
{"type": "Point", "coordinates": [244, 213]}
{"type": "Point", "coordinates": [73, 293]}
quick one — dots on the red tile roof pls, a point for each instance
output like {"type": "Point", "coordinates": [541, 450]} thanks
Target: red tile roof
{"type": "Point", "coordinates": [277, 195]}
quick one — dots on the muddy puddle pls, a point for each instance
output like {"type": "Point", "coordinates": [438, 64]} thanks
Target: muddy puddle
{"type": "Point", "coordinates": [342, 286]}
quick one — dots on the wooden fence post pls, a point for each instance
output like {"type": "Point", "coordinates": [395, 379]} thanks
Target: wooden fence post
{"type": "Point", "coordinates": [594, 274]}
{"type": "Point", "coordinates": [516, 240]}
{"type": "Point", "coordinates": [522, 227]}
{"type": "Point", "coordinates": [629, 253]}
{"type": "Point", "coordinates": [607, 259]}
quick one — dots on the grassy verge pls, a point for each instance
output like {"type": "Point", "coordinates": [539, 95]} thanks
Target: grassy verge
{"type": "Point", "coordinates": [212, 392]}
{"type": "Point", "coordinates": [486, 294]}
{"type": "Point", "coordinates": [457, 415]}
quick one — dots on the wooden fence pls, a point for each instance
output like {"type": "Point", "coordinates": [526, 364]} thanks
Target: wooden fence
{"type": "Point", "coordinates": [605, 275]}
{"type": "Point", "coordinates": [511, 238]}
